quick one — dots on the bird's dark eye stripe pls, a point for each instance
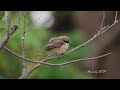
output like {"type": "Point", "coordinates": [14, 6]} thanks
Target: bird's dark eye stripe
{"type": "Point", "coordinates": [66, 41]}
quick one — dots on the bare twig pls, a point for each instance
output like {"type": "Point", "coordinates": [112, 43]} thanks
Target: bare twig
{"type": "Point", "coordinates": [23, 48]}
{"type": "Point", "coordinates": [109, 26]}
{"type": "Point", "coordinates": [61, 64]}
{"type": "Point", "coordinates": [9, 25]}
{"type": "Point", "coordinates": [102, 20]}
{"type": "Point", "coordinates": [11, 31]}
{"type": "Point", "coordinates": [15, 54]}
{"type": "Point", "coordinates": [33, 68]}
{"type": "Point", "coordinates": [29, 26]}
{"type": "Point", "coordinates": [19, 18]}
{"type": "Point", "coordinates": [73, 61]}
{"type": "Point", "coordinates": [115, 21]}
{"type": "Point", "coordinates": [116, 15]}
{"type": "Point", "coordinates": [47, 57]}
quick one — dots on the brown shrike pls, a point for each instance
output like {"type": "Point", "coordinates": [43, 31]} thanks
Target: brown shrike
{"type": "Point", "coordinates": [58, 45]}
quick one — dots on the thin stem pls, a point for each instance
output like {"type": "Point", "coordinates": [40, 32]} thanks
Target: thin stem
{"type": "Point", "coordinates": [61, 64]}
{"type": "Point", "coordinates": [33, 68]}
{"type": "Point", "coordinates": [19, 18]}
{"type": "Point", "coordinates": [29, 26]}
{"type": "Point", "coordinates": [11, 31]}
{"type": "Point", "coordinates": [73, 61]}
{"type": "Point", "coordinates": [47, 58]}
{"type": "Point", "coordinates": [102, 20]}
{"type": "Point", "coordinates": [23, 48]}
{"type": "Point", "coordinates": [116, 15]}
{"type": "Point", "coordinates": [9, 24]}
{"type": "Point", "coordinates": [17, 55]}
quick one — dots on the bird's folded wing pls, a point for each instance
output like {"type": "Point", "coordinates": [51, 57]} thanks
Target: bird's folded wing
{"type": "Point", "coordinates": [54, 45]}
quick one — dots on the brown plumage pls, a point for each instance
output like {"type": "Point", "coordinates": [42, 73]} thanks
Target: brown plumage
{"type": "Point", "coordinates": [57, 45]}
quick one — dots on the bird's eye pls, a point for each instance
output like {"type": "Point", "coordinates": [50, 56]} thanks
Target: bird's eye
{"type": "Point", "coordinates": [66, 41]}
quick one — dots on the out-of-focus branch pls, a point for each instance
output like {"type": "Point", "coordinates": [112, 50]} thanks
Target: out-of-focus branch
{"type": "Point", "coordinates": [102, 23]}
{"type": "Point", "coordinates": [9, 25]}
{"type": "Point", "coordinates": [10, 33]}
{"type": "Point", "coordinates": [23, 49]}
{"type": "Point", "coordinates": [33, 68]}
{"type": "Point", "coordinates": [61, 64]}
{"type": "Point", "coordinates": [116, 15]}
{"type": "Point", "coordinates": [19, 18]}
{"type": "Point", "coordinates": [29, 26]}
{"type": "Point", "coordinates": [47, 59]}
{"type": "Point", "coordinates": [17, 55]}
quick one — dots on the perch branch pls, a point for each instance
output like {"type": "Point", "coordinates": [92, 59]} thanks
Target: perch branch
{"type": "Point", "coordinates": [41, 60]}
{"type": "Point", "coordinates": [61, 64]}
{"type": "Point", "coordinates": [73, 61]}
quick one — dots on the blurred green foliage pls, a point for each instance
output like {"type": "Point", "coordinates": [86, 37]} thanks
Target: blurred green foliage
{"type": "Point", "coordinates": [35, 41]}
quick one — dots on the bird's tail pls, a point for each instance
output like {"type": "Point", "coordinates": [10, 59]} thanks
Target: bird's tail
{"type": "Point", "coordinates": [39, 54]}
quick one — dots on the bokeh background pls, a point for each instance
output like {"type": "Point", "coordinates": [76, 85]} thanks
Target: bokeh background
{"type": "Point", "coordinates": [80, 26]}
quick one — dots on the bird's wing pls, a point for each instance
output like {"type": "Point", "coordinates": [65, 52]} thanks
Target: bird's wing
{"type": "Point", "coordinates": [54, 45]}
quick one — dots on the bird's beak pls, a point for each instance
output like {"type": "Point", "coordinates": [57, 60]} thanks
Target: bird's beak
{"type": "Point", "coordinates": [70, 42]}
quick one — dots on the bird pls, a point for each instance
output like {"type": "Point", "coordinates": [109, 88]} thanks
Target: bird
{"type": "Point", "coordinates": [57, 45]}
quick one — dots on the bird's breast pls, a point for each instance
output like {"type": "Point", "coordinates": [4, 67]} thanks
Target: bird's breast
{"type": "Point", "coordinates": [63, 49]}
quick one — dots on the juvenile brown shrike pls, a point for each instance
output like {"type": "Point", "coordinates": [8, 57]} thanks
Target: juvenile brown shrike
{"type": "Point", "coordinates": [58, 45]}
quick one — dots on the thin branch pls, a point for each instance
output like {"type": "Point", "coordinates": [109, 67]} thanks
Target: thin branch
{"type": "Point", "coordinates": [9, 25]}
{"type": "Point", "coordinates": [47, 58]}
{"type": "Point", "coordinates": [33, 68]}
{"type": "Point", "coordinates": [109, 26]}
{"type": "Point", "coordinates": [105, 27]}
{"type": "Point", "coordinates": [11, 31]}
{"type": "Point", "coordinates": [102, 20]}
{"type": "Point", "coordinates": [19, 18]}
{"type": "Point", "coordinates": [29, 26]}
{"type": "Point", "coordinates": [15, 54]}
{"type": "Point", "coordinates": [51, 64]}
{"type": "Point", "coordinates": [23, 48]}
{"type": "Point", "coordinates": [116, 15]}
{"type": "Point", "coordinates": [115, 21]}
{"type": "Point", "coordinates": [73, 61]}
{"type": "Point", "coordinates": [61, 64]}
